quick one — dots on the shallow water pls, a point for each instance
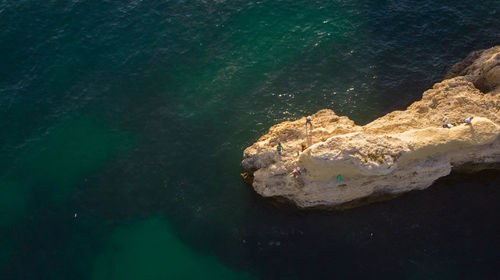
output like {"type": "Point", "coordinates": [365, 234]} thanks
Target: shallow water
{"type": "Point", "coordinates": [123, 126]}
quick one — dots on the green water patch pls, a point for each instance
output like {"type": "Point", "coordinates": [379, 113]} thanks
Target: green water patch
{"type": "Point", "coordinates": [12, 202]}
{"type": "Point", "coordinates": [53, 164]}
{"type": "Point", "coordinates": [150, 250]}
{"type": "Point", "coordinates": [68, 151]}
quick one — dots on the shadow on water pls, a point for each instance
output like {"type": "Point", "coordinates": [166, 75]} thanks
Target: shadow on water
{"type": "Point", "coordinates": [419, 235]}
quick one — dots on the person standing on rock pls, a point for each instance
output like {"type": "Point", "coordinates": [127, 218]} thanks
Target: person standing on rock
{"type": "Point", "coordinates": [279, 148]}
{"type": "Point", "coordinates": [309, 122]}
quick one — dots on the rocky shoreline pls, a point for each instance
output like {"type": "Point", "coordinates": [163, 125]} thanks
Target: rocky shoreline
{"type": "Point", "coordinates": [345, 165]}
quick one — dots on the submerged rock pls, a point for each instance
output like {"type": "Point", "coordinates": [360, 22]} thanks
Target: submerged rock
{"type": "Point", "coordinates": [397, 153]}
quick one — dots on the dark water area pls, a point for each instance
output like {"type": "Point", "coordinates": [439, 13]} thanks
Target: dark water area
{"type": "Point", "coordinates": [122, 127]}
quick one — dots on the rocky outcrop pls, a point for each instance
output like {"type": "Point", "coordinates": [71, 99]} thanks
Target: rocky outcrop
{"type": "Point", "coordinates": [399, 152]}
{"type": "Point", "coordinates": [482, 68]}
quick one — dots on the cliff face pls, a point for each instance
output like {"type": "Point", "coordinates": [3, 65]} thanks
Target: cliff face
{"type": "Point", "coordinates": [397, 153]}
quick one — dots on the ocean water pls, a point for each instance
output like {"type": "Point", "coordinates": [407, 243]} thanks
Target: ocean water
{"type": "Point", "coordinates": [122, 127]}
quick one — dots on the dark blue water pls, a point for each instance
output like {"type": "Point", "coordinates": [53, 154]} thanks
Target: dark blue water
{"type": "Point", "coordinates": [122, 126]}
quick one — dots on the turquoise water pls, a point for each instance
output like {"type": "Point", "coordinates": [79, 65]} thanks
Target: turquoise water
{"type": "Point", "coordinates": [123, 125]}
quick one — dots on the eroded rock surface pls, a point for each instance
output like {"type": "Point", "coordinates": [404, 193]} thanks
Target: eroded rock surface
{"type": "Point", "coordinates": [482, 68]}
{"type": "Point", "coordinates": [397, 153]}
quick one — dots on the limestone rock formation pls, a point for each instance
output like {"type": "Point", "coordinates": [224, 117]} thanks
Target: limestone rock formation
{"type": "Point", "coordinates": [480, 67]}
{"type": "Point", "coordinates": [399, 152]}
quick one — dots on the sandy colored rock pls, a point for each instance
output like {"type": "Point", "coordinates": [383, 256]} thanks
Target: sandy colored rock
{"type": "Point", "coordinates": [482, 68]}
{"type": "Point", "coordinates": [397, 153]}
